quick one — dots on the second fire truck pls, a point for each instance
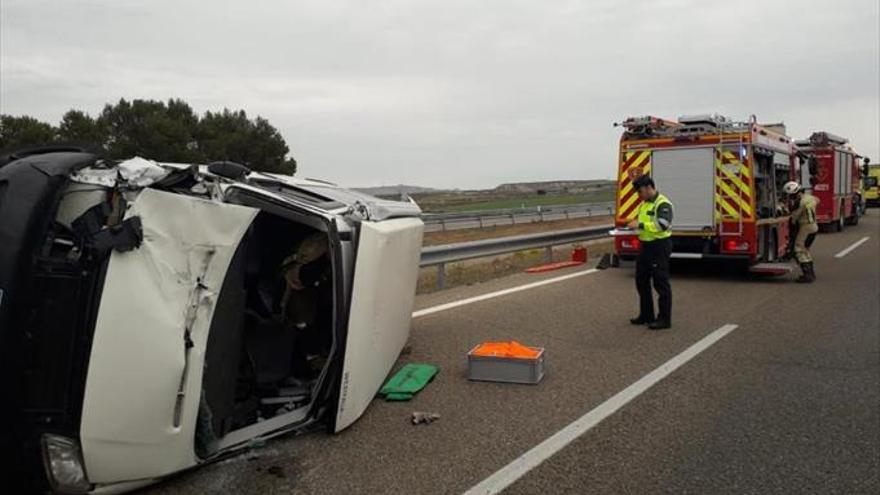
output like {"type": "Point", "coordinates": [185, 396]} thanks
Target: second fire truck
{"type": "Point", "coordinates": [833, 175]}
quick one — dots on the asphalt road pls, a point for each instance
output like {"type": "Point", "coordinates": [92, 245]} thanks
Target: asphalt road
{"type": "Point", "coordinates": [788, 402]}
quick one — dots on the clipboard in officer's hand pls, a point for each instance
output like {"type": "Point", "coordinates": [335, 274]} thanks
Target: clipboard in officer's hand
{"type": "Point", "coordinates": [622, 231]}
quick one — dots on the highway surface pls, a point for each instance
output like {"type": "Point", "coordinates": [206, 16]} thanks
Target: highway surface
{"type": "Point", "coordinates": [762, 386]}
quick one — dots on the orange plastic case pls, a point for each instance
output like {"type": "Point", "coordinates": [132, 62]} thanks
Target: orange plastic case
{"type": "Point", "coordinates": [512, 349]}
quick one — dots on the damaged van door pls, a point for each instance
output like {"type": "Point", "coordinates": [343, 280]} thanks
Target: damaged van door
{"type": "Point", "coordinates": [385, 276]}
{"type": "Point", "coordinates": [375, 270]}
{"type": "Point", "coordinates": [145, 373]}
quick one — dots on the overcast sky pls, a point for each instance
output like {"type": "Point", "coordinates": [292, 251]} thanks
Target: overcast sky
{"type": "Point", "coordinates": [453, 93]}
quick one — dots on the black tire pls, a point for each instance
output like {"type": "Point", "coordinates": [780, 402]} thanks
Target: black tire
{"type": "Point", "coordinates": [855, 219]}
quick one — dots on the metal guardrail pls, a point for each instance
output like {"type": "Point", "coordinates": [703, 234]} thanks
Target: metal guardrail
{"type": "Point", "coordinates": [510, 216]}
{"type": "Point", "coordinates": [440, 255]}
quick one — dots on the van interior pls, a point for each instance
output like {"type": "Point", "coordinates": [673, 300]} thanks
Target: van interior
{"type": "Point", "coordinates": [271, 335]}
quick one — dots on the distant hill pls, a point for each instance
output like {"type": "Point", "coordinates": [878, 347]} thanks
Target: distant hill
{"type": "Point", "coordinates": [555, 186]}
{"type": "Point", "coordinates": [395, 190]}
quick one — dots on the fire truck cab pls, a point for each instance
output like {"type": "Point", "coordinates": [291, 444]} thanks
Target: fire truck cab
{"type": "Point", "coordinates": [833, 175]}
{"type": "Point", "coordinates": [724, 179]}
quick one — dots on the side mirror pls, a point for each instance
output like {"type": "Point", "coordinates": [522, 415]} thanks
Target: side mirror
{"type": "Point", "coordinates": [813, 165]}
{"type": "Point", "coordinates": [229, 170]}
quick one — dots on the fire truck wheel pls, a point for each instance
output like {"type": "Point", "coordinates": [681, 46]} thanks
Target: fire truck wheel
{"type": "Point", "coordinates": [838, 225]}
{"type": "Point", "coordinates": [853, 220]}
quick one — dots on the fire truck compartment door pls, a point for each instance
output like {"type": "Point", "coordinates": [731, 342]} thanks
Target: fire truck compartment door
{"type": "Point", "coordinates": [687, 178]}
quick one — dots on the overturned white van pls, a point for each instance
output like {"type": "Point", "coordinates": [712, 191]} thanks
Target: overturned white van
{"type": "Point", "coordinates": [155, 317]}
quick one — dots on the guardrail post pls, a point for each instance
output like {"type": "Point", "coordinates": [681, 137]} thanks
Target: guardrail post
{"type": "Point", "coordinates": [512, 219]}
{"type": "Point", "coordinates": [548, 254]}
{"type": "Point", "coordinates": [441, 276]}
{"type": "Point", "coordinates": [480, 218]}
{"type": "Point", "coordinates": [443, 225]}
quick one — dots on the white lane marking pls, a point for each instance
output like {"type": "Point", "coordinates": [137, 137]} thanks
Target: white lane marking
{"type": "Point", "coordinates": [491, 295]}
{"type": "Point", "coordinates": [507, 475]}
{"type": "Point", "coordinates": [852, 247]}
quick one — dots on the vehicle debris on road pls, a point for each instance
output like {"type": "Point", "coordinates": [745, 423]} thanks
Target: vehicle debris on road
{"type": "Point", "coordinates": [424, 417]}
{"type": "Point", "coordinates": [407, 382]}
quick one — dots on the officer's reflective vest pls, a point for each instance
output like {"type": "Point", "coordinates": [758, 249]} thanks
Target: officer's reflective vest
{"type": "Point", "coordinates": [650, 227]}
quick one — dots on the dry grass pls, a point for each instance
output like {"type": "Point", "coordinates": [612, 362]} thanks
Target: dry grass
{"type": "Point", "coordinates": [480, 270]}
{"type": "Point", "coordinates": [465, 235]}
{"type": "Point", "coordinates": [483, 269]}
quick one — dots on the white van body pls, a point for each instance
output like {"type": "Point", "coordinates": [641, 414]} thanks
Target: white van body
{"type": "Point", "coordinates": [151, 405]}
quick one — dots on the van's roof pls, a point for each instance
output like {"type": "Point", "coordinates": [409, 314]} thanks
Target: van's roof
{"type": "Point", "coordinates": [334, 195]}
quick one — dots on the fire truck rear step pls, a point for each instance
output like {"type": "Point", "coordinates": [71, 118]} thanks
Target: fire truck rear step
{"type": "Point", "coordinates": [771, 268]}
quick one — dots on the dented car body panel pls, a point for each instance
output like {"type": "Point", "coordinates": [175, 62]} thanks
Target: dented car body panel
{"type": "Point", "coordinates": [145, 372]}
{"type": "Point", "coordinates": [158, 316]}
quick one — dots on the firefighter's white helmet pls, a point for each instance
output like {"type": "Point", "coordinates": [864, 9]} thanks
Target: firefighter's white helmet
{"type": "Point", "coordinates": [791, 187]}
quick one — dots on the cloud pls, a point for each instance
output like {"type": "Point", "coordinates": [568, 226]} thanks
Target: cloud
{"type": "Point", "coordinates": [453, 93]}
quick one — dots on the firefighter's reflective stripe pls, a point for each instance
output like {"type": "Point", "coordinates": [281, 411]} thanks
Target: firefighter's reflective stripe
{"type": "Point", "coordinates": [633, 164]}
{"type": "Point", "coordinates": [733, 187]}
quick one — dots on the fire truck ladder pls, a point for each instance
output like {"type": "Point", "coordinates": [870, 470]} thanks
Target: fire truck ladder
{"type": "Point", "coordinates": [729, 181]}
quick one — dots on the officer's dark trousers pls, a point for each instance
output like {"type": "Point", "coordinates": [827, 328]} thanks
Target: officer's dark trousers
{"type": "Point", "coordinates": [653, 264]}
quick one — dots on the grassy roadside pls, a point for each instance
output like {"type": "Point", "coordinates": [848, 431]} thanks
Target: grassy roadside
{"type": "Point", "coordinates": [480, 270]}
{"type": "Point", "coordinates": [529, 202]}
{"type": "Point", "coordinates": [465, 235]}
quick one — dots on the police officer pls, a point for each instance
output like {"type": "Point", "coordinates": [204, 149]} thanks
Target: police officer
{"type": "Point", "coordinates": [803, 218]}
{"type": "Point", "coordinates": [654, 224]}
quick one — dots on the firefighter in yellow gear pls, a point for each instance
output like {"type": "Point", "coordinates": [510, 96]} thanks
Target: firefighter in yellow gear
{"type": "Point", "coordinates": [803, 218]}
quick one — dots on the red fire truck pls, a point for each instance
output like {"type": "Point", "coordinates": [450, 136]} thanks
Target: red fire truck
{"type": "Point", "coordinates": [725, 179]}
{"type": "Point", "coordinates": [834, 175]}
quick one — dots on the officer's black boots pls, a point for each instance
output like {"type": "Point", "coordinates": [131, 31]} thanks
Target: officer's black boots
{"type": "Point", "coordinates": [660, 325]}
{"type": "Point", "coordinates": [808, 276]}
{"type": "Point", "coordinates": [641, 321]}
